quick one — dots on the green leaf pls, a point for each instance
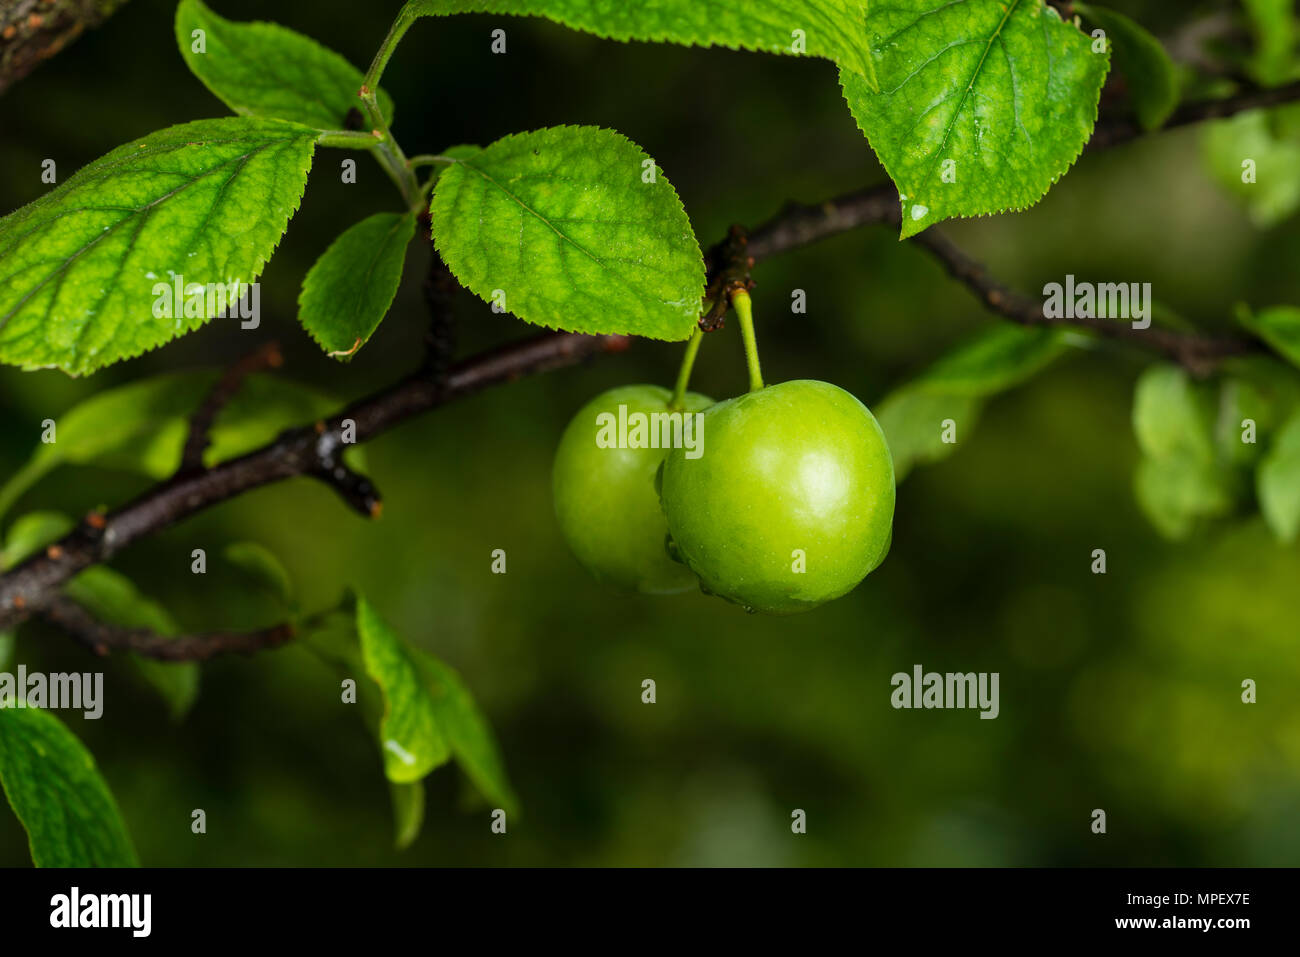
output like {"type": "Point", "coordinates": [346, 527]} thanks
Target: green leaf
{"type": "Point", "coordinates": [1256, 164]}
{"type": "Point", "coordinates": [113, 598]}
{"type": "Point", "coordinates": [1273, 23]}
{"type": "Point", "coordinates": [349, 290]}
{"type": "Point", "coordinates": [1279, 326]}
{"type": "Point", "coordinates": [141, 427]}
{"type": "Point", "coordinates": [471, 738]}
{"type": "Point", "coordinates": [1180, 479]}
{"type": "Point", "coordinates": [913, 416]}
{"type": "Point", "coordinates": [429, 713]}
{"type": "Point", "coordinates": [1277, 483]}
{"type": "Point", "coordinates": [58, 794]}
{"type": "Point", "coordinates": [995, 361]}
{"type": "Point", "coordinates": [264, 69]}
{"type": "Point", "coordinates": [1172, 415]}
{"type": "Point", "coordinates": [826, 28]}
{"type": "Point", "coordinates": [913, 423]}
{"type": "Point", "coordinates": [410, 735]}
{"type": "Point", "coordinates": [561, 224]}
{"type": "Point", "coordinates": [982, 104]}
{"type": "Point", "coordinates": [1179, 490]}
{"type": "Point", "coordinates": [1151, 74]}
{"type": "Point", "coordinates": [264, 567]}
{"type": "Point", "coordinates": [408, 812]}
{"type": "Point", "coordinates": [6, 649]}
{"type": "Point", "coordinates": [1241, 400]}
{"type": "Point", "coordinates": [87, 266]}
{"type": "Point", "coordinates": [459, 152]}
{"type": "Point", "coordinates": [30, 533]}
{"type": "Point", "coordinates": [113, 421]}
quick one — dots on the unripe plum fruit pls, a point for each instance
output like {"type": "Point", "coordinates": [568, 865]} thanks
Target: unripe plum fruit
{"type": "Point", "coordinates": [605, 498]}
{"type": "Point", "coordinates": [791, 503]}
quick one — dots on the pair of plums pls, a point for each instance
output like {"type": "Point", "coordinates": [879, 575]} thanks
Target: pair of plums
{"type": "Point", "coordinates": [784, 500]}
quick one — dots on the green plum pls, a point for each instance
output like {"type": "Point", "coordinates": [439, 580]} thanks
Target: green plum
{"type": "Point", "coordinates": [605, 496]}
{"type": "Point", "coordinates": [792, 502]}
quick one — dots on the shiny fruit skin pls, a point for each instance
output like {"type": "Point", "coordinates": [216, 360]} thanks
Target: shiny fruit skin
{"type": "Point", "coordinates": [802, 465]}
{"type": "Point", "coordinates": [605, 498]}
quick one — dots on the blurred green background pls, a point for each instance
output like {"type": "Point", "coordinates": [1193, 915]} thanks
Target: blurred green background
{"type": "Point", "coordinates": [1119, 692]}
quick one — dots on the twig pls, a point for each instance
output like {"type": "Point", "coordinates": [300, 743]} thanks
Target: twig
{"type": "Point", "coordinates": [729, 264]}
{"type": "Point", "coordinates": [200, 434]}
{"type": "Point", "coordinates": [33, 585]}
{"type": "Point", "coordinates": [103, 638]}
{"type": "Point", "coordinates": [1198, 353]}
{"type": "Point", "coordinates": [1122, 130]}
{"type": "Point", "coordinates": [439, 289]}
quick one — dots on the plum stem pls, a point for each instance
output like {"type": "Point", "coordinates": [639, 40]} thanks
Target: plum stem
{"type": "Point", "coordinates": [678, 400]}
{"type": "Point", "coordinates": [744, 311]}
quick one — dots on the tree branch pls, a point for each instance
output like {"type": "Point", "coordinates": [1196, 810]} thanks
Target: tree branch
{"type": "Point", "coordinates": [103, 638]}
{"type": "Point", "coordinates": [1123, 129]}
{"type": "Point", "coordinates": [312, 450]}
{"type": "Point", "coordinates": [33, 585]}
{"type": "Point", "coordinates": [34, 30]}
{"type": "Point", "coordinates": [1198, 353]}
{"type": "Point", "coordinates": [196, 443]}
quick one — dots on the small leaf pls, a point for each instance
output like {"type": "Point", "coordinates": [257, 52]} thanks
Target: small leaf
{"type": "Point", "coordinates": [110, 422]}
{"type": "Point", "coordinates": [408, 812]}
{"type": "Point", "coordinates": [58, 794]}
{"type": "Point", "coordinates": [1151, 74]}
{"type": "Point", "coordinates": [90, 267]}
{"type": "Point", "coordinates": [982, 104]}
{"type": "Point", "coordinates": [1279, 326]}
{"type": "Point", "coordinates": [264, 69]}
{"type": "Point", "coordinates": [1180, 480]}
{"type": "Point", "coordinates": [913, 423]}
{"type": "Point", "coordinates": [113, 598]}
{"type": "Point", "coordinates": [467, 730]}
{"type": "Point", "coordinates": [1240, 401]}
{"type": "Point", "coordinates": [349, 290]}
{"type": "Point", "coordinates": [995, 361]}
{"type": "Point", "coordinates": [1277, 483]}
{"type": "Point", "coordinates": [264, 567]}
{"type": "Point", "coordinates": [1172, 415]}
{"type": "Point", "coordinates": [561, 227]}
{"type": "Point", "coordinates": [410, 734]}
{"type": "Point", "coordinates": [1256, 164]}
{"type": "Point", "coordinates": [913, 415]}
{"type": "Point", "coordinates": [1273, 22]}
{"type": "Point", "coordinates": [1180, 489]}
{"type": "Point", "coordinates": [825, 28]}
{"type": "Point", "coordinates": [30, 533]}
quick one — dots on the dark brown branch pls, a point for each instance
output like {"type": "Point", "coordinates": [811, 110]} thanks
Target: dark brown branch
{"type": "Point", "coordinates": [1121, 130]}
{"type": "Point", "coordinates": [34, 30]}
{"type": "Point", "coordinates": [32, 586]}
{"type": "Point", "coordinates": [354, 488]}
{"type": "Point", "coordinates": [799, 225]}
{"type": "Point", "coordinates": [729, 265]}
{"type": "Point", "coordinates": [312, 450]}
{"type": "Point", "coordinates": [1198, 353]}
{"type": "Point", "coordinates": [439, 290]}
{"type": "Point", "coordinates": [104, 639]}
{"type": "Point", "coordinates": [200, 434]}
